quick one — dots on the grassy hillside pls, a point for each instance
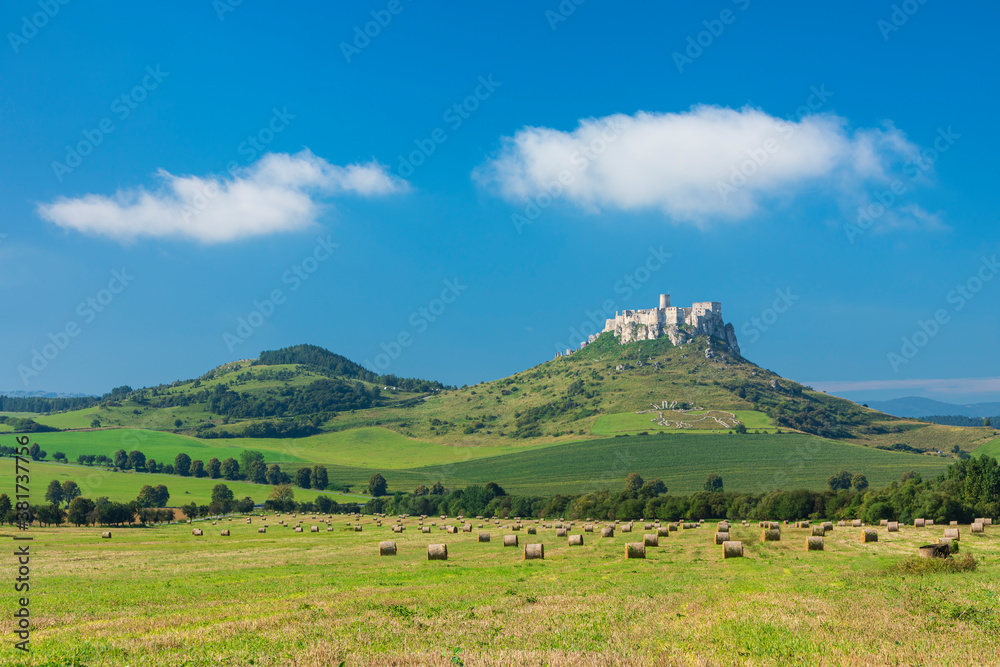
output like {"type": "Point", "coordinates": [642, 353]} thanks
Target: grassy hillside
{"type": "Point", "coordinates": [124, 486]}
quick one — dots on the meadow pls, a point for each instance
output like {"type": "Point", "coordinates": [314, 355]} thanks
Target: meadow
{"type": "Point", "coordinates": [163, 596]}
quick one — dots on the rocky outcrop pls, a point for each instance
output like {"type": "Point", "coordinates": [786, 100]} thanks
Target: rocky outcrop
{"type": "Point", "coordinates": [680, 325]}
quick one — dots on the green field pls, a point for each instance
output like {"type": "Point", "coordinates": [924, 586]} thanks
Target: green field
{"type": "Point", "coordinates": [990, 449]}
{"type": "Point", "coordinates": [635, 422]}
{"type": "Point", "coordinates": [160, 596]}
{"type": "Point", "coordinates": [124, 486]}
{"type": "Point", "coordinates": [66, 420]}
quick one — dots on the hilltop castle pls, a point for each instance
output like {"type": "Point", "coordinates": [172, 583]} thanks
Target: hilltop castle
{"type": "Point", "coordinates": [679, 324]}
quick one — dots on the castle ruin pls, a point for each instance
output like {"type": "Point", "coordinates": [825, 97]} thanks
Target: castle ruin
{"type": "Point", "coordinates": [679, 324]}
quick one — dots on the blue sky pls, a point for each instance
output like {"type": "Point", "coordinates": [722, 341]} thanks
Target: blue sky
{"type": "Point", "coordinates": [237, 153]}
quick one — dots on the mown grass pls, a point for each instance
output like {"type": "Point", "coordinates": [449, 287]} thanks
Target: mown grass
{"type": "Point", "coordinates": [161, 596]}
{"type": "Point", "coordinates": [124, 486]}
{"type": "Point", "coordinates": [634, 422]}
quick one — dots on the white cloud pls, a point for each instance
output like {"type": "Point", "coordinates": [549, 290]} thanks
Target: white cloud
{"type": "Point", "coordinates": [278, 193]}
{"type": "Point", "coordinates": [942, 385]}
{"type": "Point", "coordinates": [692, 165]}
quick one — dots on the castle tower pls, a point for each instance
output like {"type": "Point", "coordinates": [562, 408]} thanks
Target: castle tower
{"type": "Point", "coordinates": [664, 301]}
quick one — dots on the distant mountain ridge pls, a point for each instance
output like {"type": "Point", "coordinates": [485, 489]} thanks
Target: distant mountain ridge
{"type": "Point", "coordinates": [43, 394]}
{"type": "Point", "coordinates": [915, 406]}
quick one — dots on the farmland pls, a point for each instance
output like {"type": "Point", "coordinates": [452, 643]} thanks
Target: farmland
{"type": "Point", "coordinates": [310, 599]}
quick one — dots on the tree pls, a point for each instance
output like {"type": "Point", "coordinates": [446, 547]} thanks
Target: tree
{"type": "Point", "coordinates": [859, 482]}
{"type": "Point", "coordinates": [59, 457]}
{"type": "Point", "coordinates": [197, 468]}
{"type": "Point", "coordinates": [437, 489]}
{"type": "Point", "coordinates": [420, 491]}
{"type": "Point", "coordinates": [80, 510]}
{"type": "Point", "coordinates": [190, 510]}
{"type": "Point", "coordinates": [713, 483]}
{"type": "Point", "coordinates": [168, 469]}
{"type": "Point", "coordinates": [633, 482]}
{"type": "Point", "coordinates": [987, 423]}
{"type": "Point", "coordinates": [377, 485]}
{"type": "Point", "coordinates": [136, 460]}
{"type": "Point", "coordinates": [70, 490]}
{"type": "Point", "coordinates": [95, 423]}
{"type": "Point", "coordinates": [652, 488]}
{"type": "Point", "coordinates": [53, 493]}
{"type": "Point", "coordinates": [178, 423]}
{"type": "Point", "coordinates": [320, 478]}
{"type": "Point", "coordinates": [282, 497]}
{"type": "Point", "coordinates": [303, 478]}
{"type": "Point", "coordinates": [741, 428]}
{"type": "Point", "coordinates": [152, 466]}
{"type": "Point", "coordinates": [182, 464]}
{"type": "Point", "coordinates": [121, 460]}
{"type": "Point", "coordinates": [273, 474]}
{"type": "Point", "coordinates": [245, 506]}
{"type": "Point", "coordinates": [840, 481]}
{"type": "Point", "coordinates": [222, 499]}
{"type": "Point", "coordinates": [36, 453]}
{"type": "Point", "coordinates": [230, 469]}
{"type": "Point", "coordinates": [162, 495]}
{"type": "Point", "coordinates": [248, 456]}
{"type": "Point", "coordinates": [146, 497]}
{"type": "Point", "coordinates": [214, 468]}
{"type": "Point", "coordinates": [257, 473]}
{"type": "Point", "coordinates": [5, 505]}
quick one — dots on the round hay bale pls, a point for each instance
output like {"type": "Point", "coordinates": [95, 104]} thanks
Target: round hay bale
{"type": "Point", "coordinates": [560, 532]}
{"type": "Point", "coordinates": [588, 527]}
{"type": "Point", "coordinates": [534, 552]}
{"type": "Point", "coordinates": [721, 537]}
{"type": "Point", "coordinates": [663, 531]}
{"type": "Point", "coordinates": [856, 523]}
{"type": "Point", "coordinates": [225, 533]}
{"type": "Point", "coordinates": [892, 527]}
{"type": "Point", "coordinates": [608, 531]}
{"type": "Point", "coordinates": [510, 540]}
{"type": "Point", "coordinates": [357, 529]}
{"type": "Point", "coordinates": [929, 522]}
{"type": "Point", "coordinates": [635, 550]}
{"type": "Point", "coordinates": [196, 531]}
{"type": "Point", "coordinates": [814, 543]}
{"type": "Point", "coordinates": [387, 548]}
{"type": "Point", "coordinates": [484, 537]}
{"type": "Point", "coordinates": [298, 529]}
{"type": "Point", "coordinates": [451, 529]}
{"type": "Point", "coordinates": [651, 540]}
{"type": "Point", "coordinates": [841, 524]}
{"type": "Point", "coordinates": [952, 523]}
{"type": "Point", "coordinates": [425, 529]}
{"type": "Point", "coordinates": [531, 530]}
{"type": "Point", "coordinates": [647, 526]}
{"type": "Point", "coordinates": [773, 525]}
{"type": "Point", "coordinates": [329, 529]}
{"type": "Point", "coordinates": [827, 526]}
{"type": "Point", "coordinates": [689, 526]}
{"type": "Point", "coordinates": [952, 533]}
{"type": "Point", "coordinates": [987, 521]}
{"type": "Point", "coordinates": [977, 528]}
{"type": "Point", "coordinates": [627, 528]}
{"type": "Point", "coordinates": [934, 550]}
{"type": "Point", "coordinates": [818, 531]}
{"type": "Point", "coordinates": [869, 535]}
{"type": "Point", "coordinates": [883, 522]}
{"type": "Point", "coordinates": [262, 530]}
{"type": "Point", "coordinates": [437, 552]}
{"type": "Point", "coordinates": [314, 529]}
{"type": "Point", "coordinates": [732, 549]}
{"type": "Point", "coordinates": [771, 535]}
{"type": "Point", "coordinates": [576, 540]}
{"type": "Point", "coordinates": [722, 527]}
{"type": "Point", "coordinates": [106, 535]}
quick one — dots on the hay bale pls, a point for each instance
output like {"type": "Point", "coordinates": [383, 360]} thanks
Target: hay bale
{"type": "Point", "coordinates": [262, 530]}
{"type": "Point", "coordinates": [952, 523]}
{"type": "Point", "coordinates": [196, 532]}
{"type": "Point", "coordinates": [856, 523]}
{"type": "Point", "coordinates": [329, 529]}
{"type": "Point", "coordinates": [672, 526]}
{"type": "Point", "coordinates": [732, 549]}
{"type": "Point", "coordinates": [663, 531]}
{"type": "Point", "coordinates": [934, 550]}
{"type": "Point", "coordinates": [892, 527]}
{"type": "Point", "coordinates": [647, 526]}
{"type": "Point", "coordinates": [689, 526]}
{"type": "Point", "coordinates": [627, 528]}
{"type": "Point", "coordinates": [770, 535]}
{"type": "Point", "coordinates": [635, 550]}
{"type": "Point", "coordinates": [841, 524]}
{"type": "Point", "coordinates": [883, 522]}
{"type": "Point", "coordinates": [588, 527]}
{"type": "Point", "coordinates": [576, 540]}
{"type": "Point", "coordinates": [929, 522]}
{"type": "Point", "coordinates": [818, 531]}
{"type": "Point", "coordinates": [952, 533]}
{"type": "Point", "coordinates": [721, 537]}
{"type": "Point", "coordinates": [357, 529]}
{"type": "Point", "coordinates": [484, 537]}
{"type": "Point", "coordinates": [213, 523]}
{"type": "Point", "coordinates": [510, 540]}
{"type": "Point", "coordinates": [560, 532]}
{"type": "Point", "coordinates": [387, 548]}
{"type": "Point", "coordinates": [814, 543]}
{"type": "Point", "coordinates": [425, 529]}
{"type": "Point", "coordinates": [225, 533]}
{"type": "Point", "coordinates": [651, 540]}
{"type": "Point", "coordinates": [827, 526]}
{"type": "Point", "coordinates": [106, 535]}
{"type": "Point", "coordinates": [298, 529]}
{"type": "Point", "coordinates": [722, 527]}
{"type": "Point", "coordinates": [437, 552]}
{"type": "Point", "coordinates": [977, 528]}
{"type": "Point", "coordinates": [534, 552]}
{"type": "Point", "coordinates": [987, 521]}
{"type": "Point", "coordinates": [314, 529]}
{"type": "Point", "coordinates": [451, 529]}
{"type": "Point", "coordinates": [608, 531]}
{"type": "Point", "coordinates": [869, 535]}
{"type": "Point", "coordinates": [532, 531]}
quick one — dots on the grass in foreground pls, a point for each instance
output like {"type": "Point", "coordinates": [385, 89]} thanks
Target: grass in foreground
{"type": "Point", "coordinates": [161, 596]}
